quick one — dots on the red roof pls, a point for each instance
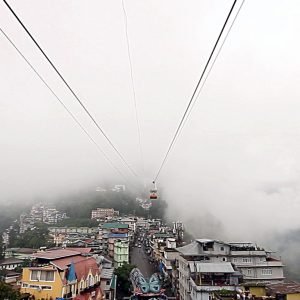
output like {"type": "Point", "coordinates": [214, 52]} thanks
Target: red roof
{"type": "Point", "coordinates": [83, 267]}
{"type": "Point", "coordinates": [283, 288]}
{"type": "Point", "coordinates": [81, 250]}
{"type": "Point", "coordinates": [63, 263]}
{"type": "Point", "coordinates": [55, 254]}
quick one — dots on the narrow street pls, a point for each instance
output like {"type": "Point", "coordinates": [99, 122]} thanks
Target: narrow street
{"type": "Point", "coordinates": [140, 259]}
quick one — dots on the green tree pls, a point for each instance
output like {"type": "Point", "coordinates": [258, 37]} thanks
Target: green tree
{"type": "Point", "coordinates": [32, 238]}
{"type": "Point", "coordinates": [7, 292]}
{"type": "Point", "coordinates": [123, 280]}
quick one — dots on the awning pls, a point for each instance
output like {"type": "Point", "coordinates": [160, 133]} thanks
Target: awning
{"type": "Point", "coordinates": [225, 267]}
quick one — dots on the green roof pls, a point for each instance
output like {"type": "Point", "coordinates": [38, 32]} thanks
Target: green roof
{"type": "Point", "coordinates": [114, 225]}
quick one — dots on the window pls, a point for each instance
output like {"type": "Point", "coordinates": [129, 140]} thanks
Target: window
{"type": "Point", "coordinates": [107, 282]}
{"type": "Point", "coordinates": [224, 259]}
{"type": "Point", "coordinates": [235, 260]}
{"type": "Point", "coordinates": [34, 286]}
{"type": "Point", "coordinates": [37, 275]}
{"type": "Point", "coordinates": [262, 259]}
{"type": "Point", "coordinates": [107, 295]}
{"type": "Point", "coordinates": [24, 285]}
{"type": "Point", "coordinates": [249, 272]}
{"type": "Point", "coordinates": [47, 276]}
{"type": "Point", "coordinates": [222, 248]}
{"type": "Point", "coordinates": [266, 272]}
{"type": "Point", "coordinates": [246, 260]}
{"type": "Point", "coordinates": [34, 275]}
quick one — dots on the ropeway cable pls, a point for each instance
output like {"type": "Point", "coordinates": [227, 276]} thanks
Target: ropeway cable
{"type": "Point", "coordinates": [62, 103]}
{"type": "Point", "coordinates": [194, 93]}
{"type": "Point", "coordinates": [71, 90]}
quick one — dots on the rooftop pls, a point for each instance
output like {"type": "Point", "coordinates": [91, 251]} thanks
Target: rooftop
{"type": "Point", "coordinates": [55, 254]}
{"type": "Point", "coordinates": [283, 288]}
{"type": "Point", "coordinates": [82, 267]}
{"type": "Point", "coordinates": [118, 235]}
{"type": "Point", "coordinates": [10, 260]}
{"type": "Point", "coordinates": [201, 267]}
{"type": "Point", "coordinates": [81, 250]}
{"type": "Point", "coordinates": [63, 263]}
{"type": "Point", "coordinates": [114, 225]}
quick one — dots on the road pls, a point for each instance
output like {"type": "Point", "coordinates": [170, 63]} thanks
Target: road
{"type": "Point", "coordinates": [140, 259]}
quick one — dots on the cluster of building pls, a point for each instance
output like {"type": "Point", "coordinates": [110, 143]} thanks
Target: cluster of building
{"type": "Point", "coordinates": [205, 268]}
{"type": "Point", "coordinates": [83, 262]}
{"type": "Point", "coordinates": [73, 273]}
{"type": "Point", "coordinates": [40, 213]}
{"type": "Point", "coordinates": [112, 237]}
{"type": "Point", "coordinates": [104, 213]}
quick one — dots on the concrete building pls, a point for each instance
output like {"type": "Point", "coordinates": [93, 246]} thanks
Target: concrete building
{"type": "Point", "coordinates": [108, 279]}
{"type": "Point", "coordinates": [10, 263]}
{"type": "Point", "coordinates": [254, 263]}
{"type": "Point", "coordinates": [199, 279]}
{"type": "Point", "coordinates": [102, 213]}
{"type": "Point", "coordinates": [62, 274]}
{"type": "Point", "coordinates": [121, 253]}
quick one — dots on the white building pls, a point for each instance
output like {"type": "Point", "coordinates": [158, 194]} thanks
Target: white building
{"type": "Point", "coordinates": [101, 213]}
{"type": "Point", "coordinates": [254, 264]}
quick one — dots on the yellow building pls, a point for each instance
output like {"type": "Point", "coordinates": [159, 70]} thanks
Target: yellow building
{"type": "Point", "coordinates": [257, 290]}
{"type": "Point", "coordinates": [44, 282]}
{"type": "Point", "coordinates": [69, 277]}
{"type": "Point", "coordinates": [284, 291]}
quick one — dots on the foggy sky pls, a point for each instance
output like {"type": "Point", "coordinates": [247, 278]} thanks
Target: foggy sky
{"type": "Point", "coordinates": [234, 172]}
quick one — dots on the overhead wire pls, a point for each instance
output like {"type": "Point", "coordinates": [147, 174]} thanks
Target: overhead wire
{"type": "Point", "coordinates": [61, 102]}
{"type": "Point", "coordinates": [211, 67]}
{"type": "Point", "coordinates": [133, 88]}
{"type": "Point", "coordinates": [71, 90]}
{"type": "Point", "coordinates": [194, 93]}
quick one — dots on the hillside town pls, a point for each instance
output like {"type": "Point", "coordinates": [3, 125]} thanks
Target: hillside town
{"type": "Point", "coordinates": [83, 262]}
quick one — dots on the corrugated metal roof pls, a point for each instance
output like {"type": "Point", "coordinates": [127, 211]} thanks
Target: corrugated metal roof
{"type": "Point", "coordinates": [283, 288]}
{"type": "Point", "coordinates": [118, 235]}
{"type": "Point", "coordinates": [203, 241]}
{"type": "Point", "coordinates": [225, 267]}
{"type": "Point", "coordinates": [190, 249]}
{"type": "Point", "coordinates": [55, 254]}
{"type": "Point", "coordinates": [114, 225]}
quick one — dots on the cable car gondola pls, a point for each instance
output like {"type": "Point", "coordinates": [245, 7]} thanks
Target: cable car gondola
{"type": "Point", "coordinates": [153, 192]}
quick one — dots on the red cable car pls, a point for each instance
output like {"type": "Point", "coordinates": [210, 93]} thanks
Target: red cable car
{"type": "Point", "coordinates": [153, 192]}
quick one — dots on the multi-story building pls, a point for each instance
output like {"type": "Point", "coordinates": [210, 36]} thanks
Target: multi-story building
{"type": "Point", "coordinates": [108, 232]}
{"type": "Point", "coordinates": [142, 223]}
{"type": "Point", "coordinates": [52, 216]}
{"type": "Point", "coordinates": [108, 279]}
{"type": "Point", "coordinates": [112, 238]}
{"type": "Point", "coordinates": [210, 258]}
{"type": "Point", "coordinates": [10, 263]}
{"type": "Point", "coordinates": [256, 264]}
{"type": "Point", "coordinates": [62, 274]}
{"type": "Point", "coordinates": [40, 213]}
{"type": "Point", "coordinates": [81, 230]}
{"type": "Point", "coordinates": [102, 213]}
{"type": "Point", "coordinates": [121, 253]}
